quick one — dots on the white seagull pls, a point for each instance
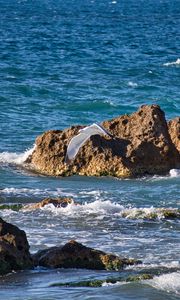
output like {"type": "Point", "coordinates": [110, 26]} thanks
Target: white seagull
{"type": "Point", "coordinates": [78, 140]}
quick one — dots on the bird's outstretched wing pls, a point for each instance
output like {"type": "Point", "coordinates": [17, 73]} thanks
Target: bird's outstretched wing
{"type": "Point", "coordinates": [84, 134]}
{"type": "Point", "coordinates": [75, 143]}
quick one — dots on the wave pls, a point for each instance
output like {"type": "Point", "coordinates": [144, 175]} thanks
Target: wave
{"type": "Point", "coordinates": [92, 202]}
{"type": "Point", "coordinates": [167, 282]}
{"type": "Point", "coordinates": [97, 208]}
{"type": "Point", "coordinates": [28, 192]}
{"type": "Point", "coordinates": [15, 158]}
{"type": "Point", "coordinates": [132, 84]}
{"type": "Point", "coordinates": [101, 209]}
{"type": "Point", "coordinates": [174, 173]}
{"type": "Point", "coordinates": [177, 62]}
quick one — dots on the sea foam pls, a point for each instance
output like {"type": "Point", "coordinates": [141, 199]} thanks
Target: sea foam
{"type": "Point", "coordinates": [177, 62]}
{"type": "Point", "coordinates": [15, 158]}
{"type": "Point", "coordinates": [168, 282]}
{"type": "Point", "coordinates": [132, 84]}
{"type": "Point", "coordinates": [174, 173]}
{"type": "Point", "coordinates": [100, 209]}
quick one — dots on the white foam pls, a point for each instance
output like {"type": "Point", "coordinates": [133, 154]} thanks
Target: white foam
{"type": "Point", "coordinates": [22, 191]}
{"type": "Point", "coordinates": [132, 84]}
{"type": "Point", "coordinates": [97, 207]}
{"type": "Point", "coordinates": [35, 192]}
{"type": "Point", "coordinates": [168, 282]}
{"type": "Point", "coordinates": [106, 284]}
{"type": "Point", "coordinates": [104, 208]}
{"type": "Point", "coordinates": [177, 62]}
{"type": "Point", "coordinates": [15, 158]}
{"type": "Point", "coordinates": [174, 173]}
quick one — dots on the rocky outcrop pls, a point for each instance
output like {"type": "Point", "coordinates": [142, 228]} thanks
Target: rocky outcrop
{"type": "Point", "coordinates": [14, 254]}
{"type": "Point", "coordinates": [14, 249]}
{"type": "Point", "coordinates": [76, 255]}
{"type": "Point", "coordinates": [174, 131]}
{"type": "Point", "coordinates": [142, 145]}
{"type": "Point", "coordinates": [57, 202]}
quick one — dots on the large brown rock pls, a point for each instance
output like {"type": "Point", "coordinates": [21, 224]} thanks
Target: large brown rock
{"type": "Point", "coordinates": [142, 145]}
{"type": "Point", "coordinates": [76, 255]}
{"type": "Point", "coordinates": [14, 249]}
{"type": "Point", "coordinates": [174, 131]}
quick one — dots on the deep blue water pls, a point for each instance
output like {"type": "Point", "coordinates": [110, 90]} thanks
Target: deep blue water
{"type": "Point", "coordinates": [76, 62]}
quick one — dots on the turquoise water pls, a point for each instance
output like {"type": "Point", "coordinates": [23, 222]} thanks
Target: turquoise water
{"type": "Point", "coordinates": [76, 62]}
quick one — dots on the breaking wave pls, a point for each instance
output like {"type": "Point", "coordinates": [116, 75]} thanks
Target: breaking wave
{"type": "Point", "coordinates": [174, 173]}
{"type": "Point", "coordinates": [15, 158]}
{"type": "Point", "coordinates": [167, 282]}
{"type": "Point", "coordinates": [132, 84]}
{"type": "Point", "coordinates": [101, 209]}
{"type": "Point", "coordinates": [177, 62]}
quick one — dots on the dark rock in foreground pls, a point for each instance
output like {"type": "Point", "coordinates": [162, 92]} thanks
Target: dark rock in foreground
{"type": "Point", "coordinates": [14, 249]}
{"type": "Point", "coordinates": [76, 255]}
{"type": "Point", "coordinates": [144, 144]}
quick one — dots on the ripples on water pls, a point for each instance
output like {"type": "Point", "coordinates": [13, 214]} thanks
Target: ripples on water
{"type": "Point", "coordinates": [71, 62]}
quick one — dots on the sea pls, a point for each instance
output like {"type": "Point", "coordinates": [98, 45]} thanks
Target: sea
{"type": "Point", "coordinates": [69, 62]}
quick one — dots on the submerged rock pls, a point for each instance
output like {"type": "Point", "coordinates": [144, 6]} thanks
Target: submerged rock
{"type": "Point", "coordinates": [76, 255]}
{"type": "Point", "coordinates": [57, 202]}
{"type": "Point", "coordinates": [151, 213]}
{"type": "Point", "coordinates": [100, 282]}
{"type": "Point", "coordinates": [15, 207]}
{"type": "Point", "coordinates": [14, 249]}
{"type": "Point", "coordinates": [142, 145]}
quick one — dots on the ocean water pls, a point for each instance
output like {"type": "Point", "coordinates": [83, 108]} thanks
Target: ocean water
{"type": "Point", "coordinates": [76, 62]}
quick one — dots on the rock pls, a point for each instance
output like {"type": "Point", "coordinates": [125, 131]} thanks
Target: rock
{"type": "Point", "coordinates": [15, 207]}
{"type": "Point", "coordinates": [57, 202]}
{"type": "Point", "coordinates": [151, 214]}
{"type": "Point", "coordinates": [76, 255]}
{"type": "Point", "coordinates": [100, 282]}
{"type": "Point", "coordinates": [174, 131]}
{"type": "Point", "coordinates": [142, 145]}
{"type": "Point", "coordinates": [14, 249]}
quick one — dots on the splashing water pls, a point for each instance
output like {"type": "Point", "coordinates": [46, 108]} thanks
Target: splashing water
{"type": "Point", "coordinates": [15, 158]}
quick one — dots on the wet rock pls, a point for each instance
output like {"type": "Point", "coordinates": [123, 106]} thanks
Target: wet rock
{"type": "Point", "coordinates": [14, 249]}
{"type": "Point", "coordinates": [100, 282]}
{"type": "Point", "coordinates": [76, 255]}
{"type": "Point", "coordinates": [15, 207]}
{"type": "Point", "coordinates": [151, 213]}
{"type": "Point", "coordinates": [57, 202]}
{"type": "Point", "coordinates": [142, 145]}
{"type": "Point", "coordinates": [174, 131]}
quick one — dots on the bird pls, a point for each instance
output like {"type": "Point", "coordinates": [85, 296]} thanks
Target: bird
{"type": "Point", "coordinates": [78, 140]}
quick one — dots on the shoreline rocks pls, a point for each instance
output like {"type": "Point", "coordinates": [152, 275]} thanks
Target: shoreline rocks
{"type": "Point", "coordinates": [14, 249]}
{"type": "Point", "coordinates": [15, 255]}
{"type": "Point", "coordinates": [144, 144]}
